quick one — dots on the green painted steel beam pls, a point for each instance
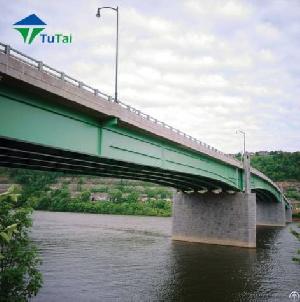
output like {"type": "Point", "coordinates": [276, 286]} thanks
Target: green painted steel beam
{"type": "Point", "coordinates": [33, 119]}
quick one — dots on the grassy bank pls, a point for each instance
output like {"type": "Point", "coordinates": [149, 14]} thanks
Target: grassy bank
{"type": "Point", "coordinates": [148, 208]}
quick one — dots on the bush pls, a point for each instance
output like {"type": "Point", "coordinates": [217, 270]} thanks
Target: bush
{"type": "Point", "coordinates": [85, 196]}
{"type": "Point", "coordinates": [149, 208]}
{"type": "Point", "coordinates": [115, 195]}
{"type": "Point", "coordinates": [19, 276]}
{"type": "Point", "coordinates": [292, 193]}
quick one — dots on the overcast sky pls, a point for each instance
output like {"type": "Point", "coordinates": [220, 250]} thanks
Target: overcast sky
{"type": "Point", "coordinates": [205, 67]}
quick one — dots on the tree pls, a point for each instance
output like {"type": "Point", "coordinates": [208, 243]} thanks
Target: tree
{"type": "Point", "coordinates": [19, 275]}
{"type": "Point", "coordinates": [278, 165]}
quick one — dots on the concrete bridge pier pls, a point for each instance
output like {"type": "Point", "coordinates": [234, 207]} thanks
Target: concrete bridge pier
{"type": "Point", "coordinates": [270, 213]}
{"type": "Point", "coordinates": [288, 214]}
{"type": "Point", "coordinates": [225, 219]}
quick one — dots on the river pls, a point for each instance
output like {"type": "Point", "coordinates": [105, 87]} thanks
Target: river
{"type": "Point", "coordinates": [89, 257]}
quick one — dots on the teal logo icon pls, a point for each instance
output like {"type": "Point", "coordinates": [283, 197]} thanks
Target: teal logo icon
{"type": "Point", "coordinates": [30, 27]}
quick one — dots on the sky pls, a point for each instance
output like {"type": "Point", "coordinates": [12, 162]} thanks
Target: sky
{"type": "Point", "coordinates": [208, 68]}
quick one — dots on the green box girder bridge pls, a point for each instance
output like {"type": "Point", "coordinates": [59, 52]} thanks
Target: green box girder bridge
{"type": "Point", "coordinates": [51, 121]}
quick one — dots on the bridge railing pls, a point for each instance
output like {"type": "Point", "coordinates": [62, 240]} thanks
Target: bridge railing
{"type": "Point", "coordinates": [4, 48]}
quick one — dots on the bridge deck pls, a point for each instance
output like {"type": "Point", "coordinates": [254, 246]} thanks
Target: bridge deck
{"type": "Point", "coordinates": [28, 86]}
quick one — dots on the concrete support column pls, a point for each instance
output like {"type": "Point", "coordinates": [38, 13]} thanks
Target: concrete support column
{"type": "Point", "coordinates": [288, 214]}
{"type": "Point", "coordinates": [270, 213]}
{"type": "Point", "coordinates": [215, 218]}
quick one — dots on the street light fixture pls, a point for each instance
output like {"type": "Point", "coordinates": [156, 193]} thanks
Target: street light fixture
{"type": "Point", "coordinates": [117, 45]}
{"type": "Point", "coordinates": [244, 135]}
{"type": "Point", "coordinates": [246, 164]}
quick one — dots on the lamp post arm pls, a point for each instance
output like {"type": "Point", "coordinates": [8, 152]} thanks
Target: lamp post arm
{"type": "Point", "coordinates": [117, 56]}
{"type": "Point", "coordinates": [107, 7]}
{"type": "Point", "coordinates": [117, 46]}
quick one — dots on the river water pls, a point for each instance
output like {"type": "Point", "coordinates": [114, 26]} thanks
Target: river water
{"type": "Point", "coordinates": [89, 257]}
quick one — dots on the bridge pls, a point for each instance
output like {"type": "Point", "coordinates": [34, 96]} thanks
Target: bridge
{"type": "Point", "coordinates": [51, 121]}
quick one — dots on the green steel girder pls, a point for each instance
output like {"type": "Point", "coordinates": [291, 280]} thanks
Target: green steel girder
{"type": "Point", "coordinates": [122, 151]}
{"type": "Point", "coordinates": [258, 183]}
{"type": "Point", "coordinates": [13, 152]}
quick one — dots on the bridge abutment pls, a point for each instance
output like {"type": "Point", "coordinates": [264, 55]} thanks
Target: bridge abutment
{"type": "Point", "coordinates": [270, 213]}
{"type": "Point", "coordinates": [225, 219]}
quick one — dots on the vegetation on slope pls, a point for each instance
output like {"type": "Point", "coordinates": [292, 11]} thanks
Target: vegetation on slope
{"type": "Point", "coordinates": [50, 191]}
{"type": "Point", "coordinates": [60, 200]}
{"type": "Point", "coordinates": [278, 165]}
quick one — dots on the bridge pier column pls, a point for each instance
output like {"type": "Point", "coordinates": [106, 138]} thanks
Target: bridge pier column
{"type": "Point", "coordinates": [215, 218]}
{"type": "Point", "coordinates": [270, 213]}
{"type": "Point", "coordinates": [288, 215]}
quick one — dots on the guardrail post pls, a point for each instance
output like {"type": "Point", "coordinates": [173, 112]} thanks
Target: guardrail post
{"type": "Point", "coordinates": [62, 76]}
{"type": "Point", "coordinates": [96, 91]}
{"type": "Point", "coordinates": [40, 65]}
{"type": "Point", "coordinates": [80, 84]}
{"type": "Point", "coordinates": [7, 49]}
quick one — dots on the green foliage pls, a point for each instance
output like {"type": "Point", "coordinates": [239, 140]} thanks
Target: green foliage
{"type": "Point", "coordinates": [54, 200]}
{"type": "Point", "coordinates": [297, 235]}
{"type": "Point", "coordinates": [100, 190]}
{"type": "Point", "coordinates": [85, 196]}
{"type": "Point", "coordinates": [34, 184]}
{"type": "Point", "coordinates": [79, 185]}
{"type": "Point", "coordinates": [115, 195]}
{"type": "Point", "coordinates": [149, 208]}
{"type": "Point", "coordinates": [278, 165]}
{"type": "Point", "coordinates": [19, 276]}
{"type": "Point", "coordinates": [292, 193]}
{"type": "Point", "coordinates": [133, 197]}
{"type": "Point", "coordinates": [123, 196]}
{"type": "Point", "coordinates": [296, 215]}
{"type": "Point", "coordinates": [158, 192]}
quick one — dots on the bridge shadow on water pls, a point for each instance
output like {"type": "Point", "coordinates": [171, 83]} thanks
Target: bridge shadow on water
{"type": "Point", "coordinates": [203, 272]}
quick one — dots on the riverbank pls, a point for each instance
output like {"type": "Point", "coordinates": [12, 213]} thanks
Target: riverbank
{"type": "Point", "coordinates": [147, 208]}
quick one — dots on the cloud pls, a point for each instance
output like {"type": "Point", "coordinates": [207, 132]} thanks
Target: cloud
{"type": "Point", "coordinates": [206, 67]}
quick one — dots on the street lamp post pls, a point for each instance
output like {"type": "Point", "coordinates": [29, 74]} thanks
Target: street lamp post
{"type": "Point", "coordinates": [244, 135]}
{"type": "Point", "coordinates": [117, 45]}
{"type": "Point", "coordinates": [246, 164]}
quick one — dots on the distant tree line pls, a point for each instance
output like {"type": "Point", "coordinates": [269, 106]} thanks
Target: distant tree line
{"type": "Point", "coordinates": [278, 165]}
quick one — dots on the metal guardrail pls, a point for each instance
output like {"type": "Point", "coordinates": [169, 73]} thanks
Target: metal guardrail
{"type": "Point", "coordinates": [8, 50]}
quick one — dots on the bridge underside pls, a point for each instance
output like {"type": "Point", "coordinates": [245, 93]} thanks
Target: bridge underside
{"type": "Point", "coordinates": [18, 154]}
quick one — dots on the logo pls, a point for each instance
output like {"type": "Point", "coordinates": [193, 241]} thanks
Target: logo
{"type": "Point", "coordinates": [294, 296]}
{"type": "Point", "coordinates": [31, 27]}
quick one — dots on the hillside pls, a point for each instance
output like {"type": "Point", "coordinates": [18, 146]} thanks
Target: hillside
{"type": "Point", "coordinates": [279, 166]}
{"type": "Point", "coordinates": [62, 192]}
